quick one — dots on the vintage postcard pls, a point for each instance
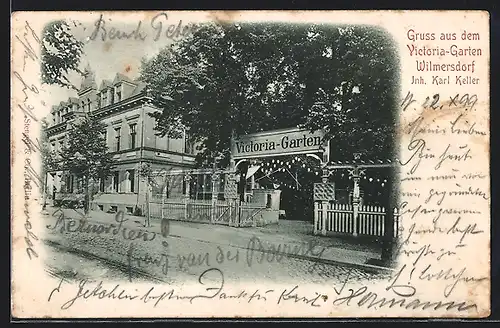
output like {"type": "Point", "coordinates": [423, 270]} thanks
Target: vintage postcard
{"type": "Point", "coordinates": [178, 164]}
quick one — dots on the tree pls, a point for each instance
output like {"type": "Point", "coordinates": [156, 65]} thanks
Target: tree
{"type": "Point", "coordinates": [230, 79]}
{"type": "Point", "coordinates": [61, 53]}
{"type": "Point", "coordinates": [49, 160]}
{"type": "Point", "coordinates": [86, 153]}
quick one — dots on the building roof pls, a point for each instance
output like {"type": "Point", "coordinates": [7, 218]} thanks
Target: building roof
{"type": "Point", "coordinates": [121, 77]}
{"type": "Point", "coordinates": [141, 87]}
{"type": "Point", "coordinates": [105, 84]}
{"type": "Point", "coordinates": [73, 100]}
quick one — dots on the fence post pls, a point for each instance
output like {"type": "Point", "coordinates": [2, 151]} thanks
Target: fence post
{"type": "Point", "coordinates": [213, 212]}
{"type": "Point", "coordinates": [148, 205]}
{"type": "Point", "coordinates": [163, 202]}
{"type": "Point", "coordinates": [229, 209]}
{"type": "Point", "coordinates": [149, 214]}
{"type": "Point", "coordinates": [323, 219]}
{"type": "Point", "coordinates": [396, 222]}
{"type": "Point", "coordinates": [355, 214]}
{"type": "Point", "coordinates": [187, 178]}
{"type": "Point", "coordinates": [316, 217]}
{"type": "Point", "coordinates": [230, 194]}
{"type": "Point", "coordinates": [237, 205]}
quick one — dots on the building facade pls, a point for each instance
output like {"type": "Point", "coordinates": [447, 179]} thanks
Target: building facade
{"type": "Point", "coordinates": [123, 106]}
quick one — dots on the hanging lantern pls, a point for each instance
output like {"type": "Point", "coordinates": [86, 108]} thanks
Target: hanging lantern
{"type": "Point", "coordinates": [308, 169]}
{"type": "Point", "coordinates": [317, 173]}
{"type": "Point", "coordinates": [298, 159]}
{"type": "Point", "coordinates": [385, 180]}
{"type": "Point", "coordinates": [370, 179]}
{"type": "Point", "coordinates": [303, 165]}
{"type": "Point", "coordinates": [273, 160]}
{"type": "Point", "coordinates": [378, 180]}
{"type": "Point", "coordinates": [382, 184]}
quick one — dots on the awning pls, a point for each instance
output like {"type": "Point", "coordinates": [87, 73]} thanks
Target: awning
{"type": "Point", "coordinates": [251, 171]}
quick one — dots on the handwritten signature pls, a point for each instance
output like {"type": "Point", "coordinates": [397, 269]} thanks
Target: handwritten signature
{"type": "Point", "coordinates": [159, 24]}
{"type": "Point", "coordinates": [83, 225]}
{"type": "Point", "coordinates": [28, 40]}
{"type": "Point", "coordinates": [212, 284]}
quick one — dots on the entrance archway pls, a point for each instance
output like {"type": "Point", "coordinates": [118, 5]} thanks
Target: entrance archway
{"type": "Point", "coordinates": [294, 177]}
{"type": "Point", "coordinates": [282, 157]}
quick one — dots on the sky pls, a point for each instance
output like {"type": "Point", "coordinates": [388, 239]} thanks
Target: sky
{"type": "Point", "coordinates": [106, 58]}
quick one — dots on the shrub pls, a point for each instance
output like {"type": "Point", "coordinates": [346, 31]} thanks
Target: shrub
{"type": "Point", "coordinates": [137, 211]}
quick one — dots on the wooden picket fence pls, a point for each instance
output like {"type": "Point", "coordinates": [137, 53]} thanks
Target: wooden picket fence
{"type": "Point", "coordinates": [332, 218]}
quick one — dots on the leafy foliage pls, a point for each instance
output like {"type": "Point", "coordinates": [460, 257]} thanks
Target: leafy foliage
{"type": "Point", "coordinates": [230, 79]}
{"type": "Point", "coordinates": [48, 156]}
{"type": "Point", "coordinates": [61, 53]}
{"type": "Point", "coordinates": [86, 152]}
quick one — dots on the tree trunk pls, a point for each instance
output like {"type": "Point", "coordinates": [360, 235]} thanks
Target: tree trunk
{"type": "Point", "coordinates": [86, 203]}
{"type": "Point", "coordinates": [148, 218]}
{"type": "Point", "coordinates": [388, 238]}
{"type": "Point", "coordinates": [45, 192]}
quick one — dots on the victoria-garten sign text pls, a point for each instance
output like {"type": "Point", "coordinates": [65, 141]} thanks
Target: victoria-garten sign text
{"type": "Point", "coordinates": [277, 143]}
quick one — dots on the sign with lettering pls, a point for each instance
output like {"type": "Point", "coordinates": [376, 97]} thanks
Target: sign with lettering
{"type": "Point", "coordinates": [277, 143]}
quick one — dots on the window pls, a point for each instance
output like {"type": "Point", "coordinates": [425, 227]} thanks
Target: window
{"type": "Point", "coordinates": [88, 105]}
{"type": "Point", "coordinates": [104, 95]}
{"type": "Point", "coordinates": [104, 135]}
{"type": "Point", "coordinates": [188, 146]}
{"type": "Point", "coordinates": [201, 187]}
{"type": "Point", "coordinates": [79, 185]}
{"type": "Point", "coordinates": [101, 184]}
{"type": "Point", "coordinates": [118, 95]}
{"type": "Point", "coordinates": [132, 129]}
{"type": "Point", "coordinates": [130, 181]}
{"type": "Point", "coordinates": [116, 177]}
{"type": "Point", "coordinates": [117, 138]}
{"type": "Point", "coordinates": [112, 100]}
{"type": "Point", "coordinates": [69, 183]}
